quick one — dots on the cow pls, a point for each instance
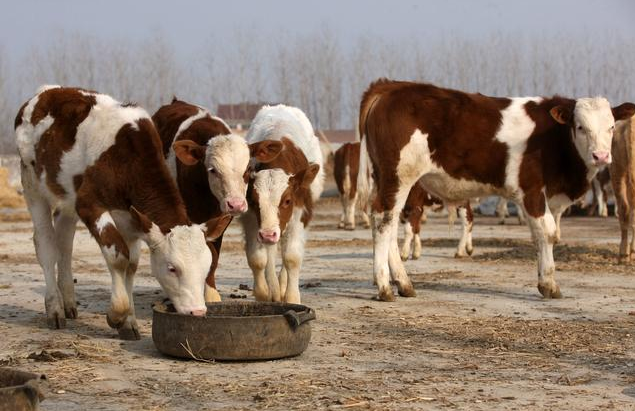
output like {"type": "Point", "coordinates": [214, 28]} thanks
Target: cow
{"type": "Point", "coordinates": [622, 171]}
{"type": "Point", "coordinates": [540, 152]}
{"type": "Point", "coordinates": [345, 173]}
{"type": "Point", "coordinates": [413, 215]}
{"type": "Point", "coordinates": [86, 156]}
{"type": "Point", "coordinates": [281, 196]}
{"type": "Point", "coordinates": [211, 168]}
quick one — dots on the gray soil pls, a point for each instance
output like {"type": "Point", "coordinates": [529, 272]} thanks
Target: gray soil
{"type": "Point", "coordinates": [478, 336]}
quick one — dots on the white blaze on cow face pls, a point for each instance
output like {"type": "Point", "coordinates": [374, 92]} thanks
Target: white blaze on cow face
{"type": "Point", "coordinates": [226, 161]}
{"type": "Point", "coordinates": [270, 186]}
{"type": "Point", "coordinates": [593, 126]}
{"type": "Point", "coordinates": [180, 261]}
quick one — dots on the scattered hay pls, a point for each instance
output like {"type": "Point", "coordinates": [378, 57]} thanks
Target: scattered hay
{"type": "Point", "coordinates": [9, 197]}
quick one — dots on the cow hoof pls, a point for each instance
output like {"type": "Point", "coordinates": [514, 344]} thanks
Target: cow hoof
{"type": "Point", "coordinates": [211, 295]}
{"type": "Point", "coordinates": [404, 257]}
{"type": "Point", "coordinates": [70, 312]}
{"type": "Point", "coordinates": [129, 333]}
{"type": "Point", "coordinates": [406, 290]}
{"type": "Point", "coordinates": [367, 226]}
{"type": "Point", "coordinates": [116, 324]}
{"type": "Point", "coordinates": [550, 290]}
{"type": "Point", "coordinates": [459, 255]}
{"type": "Point", "coordinates": [386, 294]}
{"type": "Point", "coordinates": [349, 227]}
{"type": "Point", "coordinates": [340, 225]}
{"type": "Point", "coordinates": [624, 259]}
{"type": "Point", "coordinates": [416, 256]}
{"type": "Point", "coordinates": [470, 251]}
{"type": "Point", "coordinates": [56, 321]}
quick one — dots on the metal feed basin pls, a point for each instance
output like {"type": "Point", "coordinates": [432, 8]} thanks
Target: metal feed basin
{"type": "Point", "coordinates": [20, 391]}
{"type": "Point", "coordinates": [233, 330]}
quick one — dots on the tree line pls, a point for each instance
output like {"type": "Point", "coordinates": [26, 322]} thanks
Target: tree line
{"type": "Point", "coordinates": [318, 72]}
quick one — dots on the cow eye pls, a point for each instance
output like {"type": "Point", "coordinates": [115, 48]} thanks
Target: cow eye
{"type": "Point", "coordinates": [287, 202]}
{"type": "Point", "coordinates": [172, 269]}
{"type": "Point", "coordinates": [612, 128]}
{"type": "Point", "coordinates": [580, 128]}
{"type": "Point", "coordinates": [212, 170]}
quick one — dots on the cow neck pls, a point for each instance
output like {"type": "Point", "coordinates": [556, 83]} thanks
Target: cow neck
{"type": "Point", "coordinates": [158, 198]}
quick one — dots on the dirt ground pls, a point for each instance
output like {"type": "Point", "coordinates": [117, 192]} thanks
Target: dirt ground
{"type": "Point", "coordinates": [478, 336]}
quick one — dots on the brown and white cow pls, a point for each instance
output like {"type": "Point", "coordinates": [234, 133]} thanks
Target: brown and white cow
{"type": "Point", "coordinates": [281, 197]}
{"type": "Point", "coordinates": [540, 152]}
{"type": "Point", "coordinates": [623, 180]}
{"type": "Point", "coordinates": [85, 155]}
{"type": "Point", "coordinates": [210, 166]}
{"type": "Point", "coordinates": [345, 173]}
{"type": "Point", "coordinates": [413, 215]}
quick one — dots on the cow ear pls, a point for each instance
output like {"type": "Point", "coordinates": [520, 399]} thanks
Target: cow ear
{"type": "Point", "coordinates": [304, 178]}
{"type": "Point", "coordinates": [189, 152]}
{"type": "Point", "coordinates": [140, 221]}
{"type": "Point", "coordinates": [265, 151]}
{"type": "Point", "coordinates": [562, 114]}
{"type": "Point", "coordinates": [215, 227]}
{"type": "Point", "coordinates": [623, 111]}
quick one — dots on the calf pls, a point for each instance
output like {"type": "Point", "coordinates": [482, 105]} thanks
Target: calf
{"type": "Point", "coordinates": [281, 196]}
{"type": "Point", "coordinates": [413, 214]}
{"type": "Point", "coordinates": [212, 168]}
{"type": "Point", "coordinates": [345, 173]}
{"type": "Point", "coordinates": [85, 155]}
{"type": "Point", "coordinates": [623, 180]}
{"type": "Point", "coordinates": [540, 152]}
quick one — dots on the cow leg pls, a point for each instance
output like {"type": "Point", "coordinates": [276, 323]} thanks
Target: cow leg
{"type": "Point", "coordinates": [344, 200]}
{"type": "Point", "coordinates": [557, 221]}
{"type": "Point", "coordinates": [600, 198]}
{"type": "Point", "coordinates": [46, 251]}
{"type": "Point", "coordinates": [115, 250]}
{"type": "Point", "coordinates": [543, 231]}
{"type": "Point", "coordinates": [416, 231]}
{"type": "Point", "coordinates": [397, 268]}
{"type": "Point", "coordinates": [501, 210]}
{"type": "Point", "coordinates": [465, 248]}
{"type": "Point", "coordinates": [65, 226]}
{"type": "Point", "coordinates": [270, 273]}
{"type": "Point", "coordinates": [211, 293]}
{"type": "Point", "coordinates": [364, 212]}
{"type": "Point", "coordinates": [521, 215]}
{"type": "Point", "coordinates": [407, 241]}
{"type": "Point", "coordinates": [292, 255]}
{"type": "Point", "coordinates": [350, 213]}
{"type": "Point", "coordinates": [130, 330]}
{"type": "Point", "coordinates": [256, 256]}
{"type": "Point", "coordinates": [631, 251]}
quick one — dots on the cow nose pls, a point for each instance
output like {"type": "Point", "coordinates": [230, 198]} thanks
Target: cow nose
{"type": "Point", "coordinates": [601, 157]}
{"type": "Point", "coordinates": [268, 236]}
{"type": "Point", "coordinates": [236, 205]}
{"type": "Point", "coordinates": [198, 313]}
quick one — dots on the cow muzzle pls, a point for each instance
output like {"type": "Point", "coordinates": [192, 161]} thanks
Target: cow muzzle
{"type": "Point", "coordinates": [268, 236]}
{"type": "Point", "coordinates": [235, 206]}
{"type": "Point", "coordinates": [601, 157]}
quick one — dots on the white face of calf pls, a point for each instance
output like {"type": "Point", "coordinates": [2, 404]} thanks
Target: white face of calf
{"type": "Point", "coordinates": [592, 121]}
{"type": "Point", "coordinates": [226, 159]}
{"type": "Point", "coordinates": [272, 196]}
{"type": "Point", "coordinates": [180, 261]}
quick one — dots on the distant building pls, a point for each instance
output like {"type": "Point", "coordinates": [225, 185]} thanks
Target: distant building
{"type": "Point", "coordinates": [239, 116]}
{"type": "Point", "coordinates": [338, 137]}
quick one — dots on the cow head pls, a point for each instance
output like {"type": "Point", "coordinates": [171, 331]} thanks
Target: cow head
{"type": "Point", "coordinates": [179, 260]}
{"type": "Point", "coordinates": [592, 121]}
{"type": "Point", "coordinates": [226, 159]}
{"type": "Point", "coordinates": [274, 194]}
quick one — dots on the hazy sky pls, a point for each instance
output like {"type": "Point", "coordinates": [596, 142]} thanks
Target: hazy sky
{"type": "Point", "coordinates": [188, 23]}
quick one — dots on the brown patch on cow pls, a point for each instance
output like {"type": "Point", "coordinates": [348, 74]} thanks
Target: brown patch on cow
{"type": "Point", "coordinates": [110, 237]}
{"type": "Point", "coordinates": [622, 171]}
{"type": "Point", "coordinates": [68, 107]}
{"type": "Point", "coordinates": [460, 128]}
{"type": "Point", "coordinates": [347, 155]}
{"type": "Point", "coordinates": [551, 158]}
{"type": "Point", "coordinates": [265, 151]}
{"type": "Point", "coordinates": [412, 212]}
{"type": "Point", "coordinates": [18, 118]}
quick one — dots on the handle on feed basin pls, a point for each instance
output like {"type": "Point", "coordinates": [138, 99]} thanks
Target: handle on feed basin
{"type": "Point", "coordinates": [296, 318]}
